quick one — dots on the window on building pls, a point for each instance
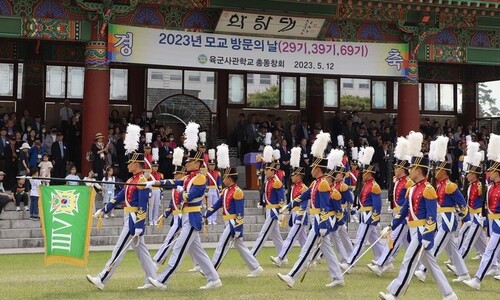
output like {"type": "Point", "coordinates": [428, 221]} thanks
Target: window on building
{"type": "Point", "coordinates": [118, 84]}
{"type": "Point", "coordinates": [266, 94]}
{"type": "Point", "coordinates": [431, 96]}
{"type": "Point", "coordinates": [379, 94]}
{"type": "Point", "coordinates": [249, 78]}
{"type": "Point", "coordinates": [6, 79]}
{"type": "Point", "coordinates": [193, 76]}
{"type": "Point", "coordinates": [236, 89]}
{"type": "Point", "coordinates": [211, 78]}
{"type": "Point", "coordinates": [303, 92]}
{"type": "Point", "coordinates": [265, 79]}
{"type": "Point", "coordinates": [55, 85]}
{"type": "Point", "coordinates": [446, 97]}
{"type": "Point", "coordinates": [20, 73]}
{"type": "Point", "coordinates": [420, 96]}
{"type": "Point", "coordinates": [352, 99]}
{"type": "Point", "coordinates": [176, 76]}
{"type": "Point", "coordinates": [76, 77]}
{"type": "Point", "coordinates": [396, 94]}
{"type": "Point", "coordinates": [488, 100]}
{"type": "Point", "coordinates": [364, 84]}
{"type": "Point", "coordinates": [155, 75]}
{"type": "Point", "coordinates": [460, 99]}
{"type": "Point", "coordinates": [330, 92]}
{"type": "Point", "coordinates": [196, 84]}
{"type": "Point", "coordinates": [288, 91]}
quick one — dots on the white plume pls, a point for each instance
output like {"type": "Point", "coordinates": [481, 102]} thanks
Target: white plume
{"type": "Point", "coordinates": [155, 154]}
{"type": "Point", "coordinates": [354, 153]}
{"type": "Point", "coordinates": [340, 140]}
{"type": "Point", "coordinates": [466, 163]}
{"type": "Point", "coordinates": [267, 156]}
{"type": "Point", "coordinates": [295, 154]}
{"type": "Point", "coordinates": [203, 137]}
{"type": "Point", "coordinates": [335, 158]}
{"type": "Point", "coordinates": [149, 137]}
{"type": "Point", "coordinates": [132, 137]}
{"type": "Point", "coordinates": [276, 154]}
{"type": "Point", "coordinates": [178, 156]}
{"type": "Point", "coordinates": [211, 154]}
{"type": "Point", "coordinates": [401, 149]}
{"type": "Point", "coordinates": [320, 144]}
{"type": "Point", "coordinates": [477, 158]}
{"type": "Point", "coordinates": [191, 133]}
{"type": "Point", "coordinates": [441, 148]}
{"type": "Point", "coordinates": [494, 147]}
{"type": "Point", "coordinates": [222, 156]}
{"type": "Point", "coordinates": [267, 140]}
{"type": "Point", "coordinates": [367, 156]}
{"type": "Point", "coordinates": [472, 150]}
{"type": "Point", "coordinates": [415, 140]}
{"type": "Point", "coordinates": [432, 151]}
{"type": "Point", "coordinates": [468, 138]}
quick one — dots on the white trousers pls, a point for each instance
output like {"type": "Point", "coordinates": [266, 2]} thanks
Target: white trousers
{"type": "Point", "coordinates": [342, 243]}
{"type": "Point", "coordinates": [474, 236]}
{"type": "Point", "coordinates": [154, 205]}
{"type": "Point", "coordinates": [188, 241]}
{"type": "Point", "coordinates": [141, 251]}
{"type": "Point", "coordinates": [296, 233]}
{"type": "Point", "coordinates": [410, 261]}
{"type": "Point", "coordinates": [366, 233]}
{"type": "Point", "coordinates": [490, 256]}
{"type": "Point", "coordinates": [270, 229]}
{"type": "Point", "coordinates": [212, 197]}
{"type": "Point", "coordinates": [168, 244]}
{"type": "Point", "coordinates": [222, 248]}
{"type": "Point", "coordinates": [398, 236]}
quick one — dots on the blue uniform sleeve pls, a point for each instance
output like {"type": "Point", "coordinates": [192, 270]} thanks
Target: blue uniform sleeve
{"type": "Point", "coordinates": [117, 199]}
{"type": "Point", "coordinates": [171, 183]}
{"type": "Point", "coordinates": [214, 208]}
{"type": "Point", "coordinates": [324, 205]}
{"type": "Point", "coordinates": [197, 189]}
{"type": "Point", "coordinates": [430, 223]}
{"type": "Point", "coordinates": [239, 207]}
{"type": "Point", "coordinates": [168, 211]}
{"type": "Point", "coordinates": [401, 217]}
{"type": "Point", "coordinates": [460, 202]}
{"type": "Point", "coordinates": [143, 195]}
{"type": "Point", "coordinates": [219, 183]}
{"type": "Point", "coordinates": [347, 196]}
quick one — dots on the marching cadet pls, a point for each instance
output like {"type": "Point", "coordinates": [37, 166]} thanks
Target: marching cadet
{"type": "Point", "coordinates": [351, 180]}
{"type": "Point", "coordinates": [474, 236]}
{"type": "Point", "coordinates": [192, 188]}
{"type": "Point", "coordinates": [233, 211]}
{"type": "Point", "coordinates": [213, 186]}
{"type": "Point", "coordinates": [492, 252]}
{"type": "Point", "coordinates": [298, 219]}
{"type": "Point", "coordinates": [174, 209]}
{"type": "Point", "coordinates": [155, 195]}
{"type": "Point", "coordinates": [343, 242]}
{"type": "Point", "coordinates": [274, 197]}
{"type": "Point", "coordinates": [420, 214]}
{"type": "Point", "coordinates": [324, 206]}
{"type": "Point", "coordinates": [449, 198]}
{"type": "Point", "coordinates": [370, 204]}
{"type": "Point", "coordinates": [135, 207]}
{"type": "Point", "coordinates": [398, 235]}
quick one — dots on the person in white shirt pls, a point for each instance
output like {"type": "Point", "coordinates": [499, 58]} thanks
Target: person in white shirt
{"type": "Point", "coordinates": [108, 189]}
{"type": "Point", "coordinates": [71, 177]}
{"type": "Point", "coordinates": [91, 177]}
{"type": "Point", "coordinates": [35, 183]}
{"type": "Point", "coordinates": [45, 167]}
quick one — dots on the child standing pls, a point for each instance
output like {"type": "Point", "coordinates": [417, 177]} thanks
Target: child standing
{"type": "Point", "coordinates": [91, 177]}
{"type": "Point", "coordinates": [45, 167]}
{"type": "Point", "coordinates": [35, 183]}
{"type": "Point", "coordinates": [72, 176]}
{"type": "Point", "coordinates": [21, 193]}
{"type": "Point", "coordinates": [108, 189]}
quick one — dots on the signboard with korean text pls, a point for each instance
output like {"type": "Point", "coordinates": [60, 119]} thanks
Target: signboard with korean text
{"type": "Point", "coordinates": [140, 45]}
{"type": "Point", "coordinates": [239, 22]}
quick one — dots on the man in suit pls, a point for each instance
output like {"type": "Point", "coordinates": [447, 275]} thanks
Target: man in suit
{"type": "Point", "coordinates": [165, 159]}
{"type": "Point", "coordinates": [37, 125]}
{"type": "Point", "coordinates": [285, 161]}
{"type": "Point", "coordinates": [251, 132]}
{"type": "Point", "coordinates": [4, 142]}
{"type": "Point", "coordinates": [59, 154]}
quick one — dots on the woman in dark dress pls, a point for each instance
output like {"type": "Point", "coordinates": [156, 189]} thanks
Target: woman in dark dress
{"type": "Point", "coordinates": [99, 152]}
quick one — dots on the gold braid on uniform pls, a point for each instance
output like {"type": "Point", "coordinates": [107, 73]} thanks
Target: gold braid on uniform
{"type": "Point", "coordinates": [430, 225]}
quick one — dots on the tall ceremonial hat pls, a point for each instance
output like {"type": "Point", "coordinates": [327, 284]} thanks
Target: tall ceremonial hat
{"type": "Point", "coordinates": [156, 156]}
{"type": "Point", "coordinates": [149, 139]}
{"type": "Point", "coordinates": [335, 162]}
{"type": "Point", "coordinates": [365, 159]}
{"type": "Point", "coordinates": [318, 150]}
{"type": "Point", "coordinates": [354, 155]}
{"type": "Point", "coordinates": [340, 141]}
{"type": "Point", "coordinates": [177, 158]}
{"type": "Point", "coordinates": [191, 142]}
{"type": "Point", "coordinates": [437, 153]}
{"type": "Point", "coordinates": [267, 139]}
{"type": "Point", "coordinates": [295, 154]}
{"type": "Point", "coordinates": [211, 156]}
{"type": "Point", "coordinates": [277, 157]}
{"type": "Point", "coordinates": [203, 139]}
{"type": "Point", "coordinates": [401, 153]}
{"type": "Point", "coordinates": [415, 140]}
{"type": "Point", "coordinates": [131, 144]}
{"type": "Point", "coordinates": [223, 163]}
{"type": "Point", "coordinates": [494, 153]}
{"type": "Point", "coordinates": [473, 159]}
{"type": "Point", "coordinates": [267, 157]}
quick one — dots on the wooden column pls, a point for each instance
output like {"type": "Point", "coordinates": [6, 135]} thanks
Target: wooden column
{"type": "Point", "coordinates": [314, 100]}
{"type": "Point", "coordinates": [33, 82]}
{"type": "Point", "coordinates": [408, 106]}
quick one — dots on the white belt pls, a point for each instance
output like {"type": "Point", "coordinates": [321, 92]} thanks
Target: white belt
{"type": "Point", "coordinates": [366, 215]}
{"type": "Point", "coordinates": [449, 222]}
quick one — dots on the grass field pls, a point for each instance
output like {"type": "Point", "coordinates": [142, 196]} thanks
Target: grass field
{"type": "Point", "coordinates": [24, 276]}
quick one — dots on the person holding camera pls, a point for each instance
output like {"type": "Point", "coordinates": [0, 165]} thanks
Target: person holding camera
{"type": "Point", "coordinates": [98, 155]}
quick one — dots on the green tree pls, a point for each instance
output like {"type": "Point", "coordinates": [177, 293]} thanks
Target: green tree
{"type": "Point", "coordinates": [354, 103]}
{"type": "Point", "coordinates": [267, 98]}
{"type": "Point", "coordinates": [487, 104]}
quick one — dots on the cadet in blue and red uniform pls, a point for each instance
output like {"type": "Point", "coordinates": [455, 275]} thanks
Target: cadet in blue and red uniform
{"type": "Point", "coordinates": [492, 252]}
{"type": "Point", "coordinates": [449, 199]}
{"type": "Point", "coordinates": [135, 206]}
{"type": "Point", "coordinates": [214, 186]}
{"type": "Point", "coordinates": [232, 202]}
{"type": "Point", "coordinates": [419, 212]}
{"type": "Point", "coordinates": [398, 235]}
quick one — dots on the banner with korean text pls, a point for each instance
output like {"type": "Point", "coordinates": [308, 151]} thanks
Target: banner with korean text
{"type": "Point", "coordinates": [127, 44]}
{"type": "Point", "coordinates": [66, 217]}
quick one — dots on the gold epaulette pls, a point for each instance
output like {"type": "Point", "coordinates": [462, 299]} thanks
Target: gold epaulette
{"type": "Point", "coordinates": [451, 187]}
{"type": "Point", "coordinates": [142, 179]}
{"type": "Point", "coordinates": [277, 184]}
{"type": "Point", "coordinates": [429, 192]}
{"type": "Point", "coordinates": [376, 188]}
{"type": "Point", "coordinates": [200, 179]}
{"type": "Point", "coordinates": [258, 158]}
{"type": "Point", "coordinates": [238, 194]}
{"type": "Point", "coordinates": [343, 187]}
{"type": "Point", "coordinates": [303, 189]}
{"type": "Point", "coordinates": [323, 186]}
{"type": "Point", "coordinates": [335, 195]}
{"type": "Point", "coordinates": [409, 183]}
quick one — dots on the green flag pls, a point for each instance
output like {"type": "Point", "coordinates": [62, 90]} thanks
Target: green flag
{"type": "Point", "coordinates": [66, 217]}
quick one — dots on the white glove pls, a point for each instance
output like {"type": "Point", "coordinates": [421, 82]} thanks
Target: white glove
{"type": "Point", "coordinates": [385, 231]}
{"type": "Point", "coordinates": [149, 184]}
{"type": "Point", "coordinates": [137, 232]}
{"type": "Point", "coordinates": [389, 209]}
{"type": "Point", "coordinates": [180, 188]}
{"type": "Point", "coordinates": [323, 231]}
{"type": "Point", "coordinates": [467, 224]}
{"type": "Point", "coordinates": [298, 222]}
{"type": "Point", "coordinates": [237, 234]}
{"type": "Point", "coordinates": [425, 243]}
{"type": "Point", "coordinates": [280, 217]}
{"type": "Point", "coordinates": [98, 213]}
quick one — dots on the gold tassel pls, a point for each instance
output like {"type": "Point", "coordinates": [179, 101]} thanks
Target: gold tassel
{"type": "Point", "coordinates": [160, 223]}
{"type": "Point", "coordinates": [283, 221]}
{"type": "Point", "coordinates": [205, 232]}
{"type": "Point", "coordinates": [99, 223]}
{"type": "Point", "coordinates": [390, 242]}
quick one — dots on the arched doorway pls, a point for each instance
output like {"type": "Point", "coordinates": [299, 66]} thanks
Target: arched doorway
{"type": "Point", "coordinates": [176, 111]}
